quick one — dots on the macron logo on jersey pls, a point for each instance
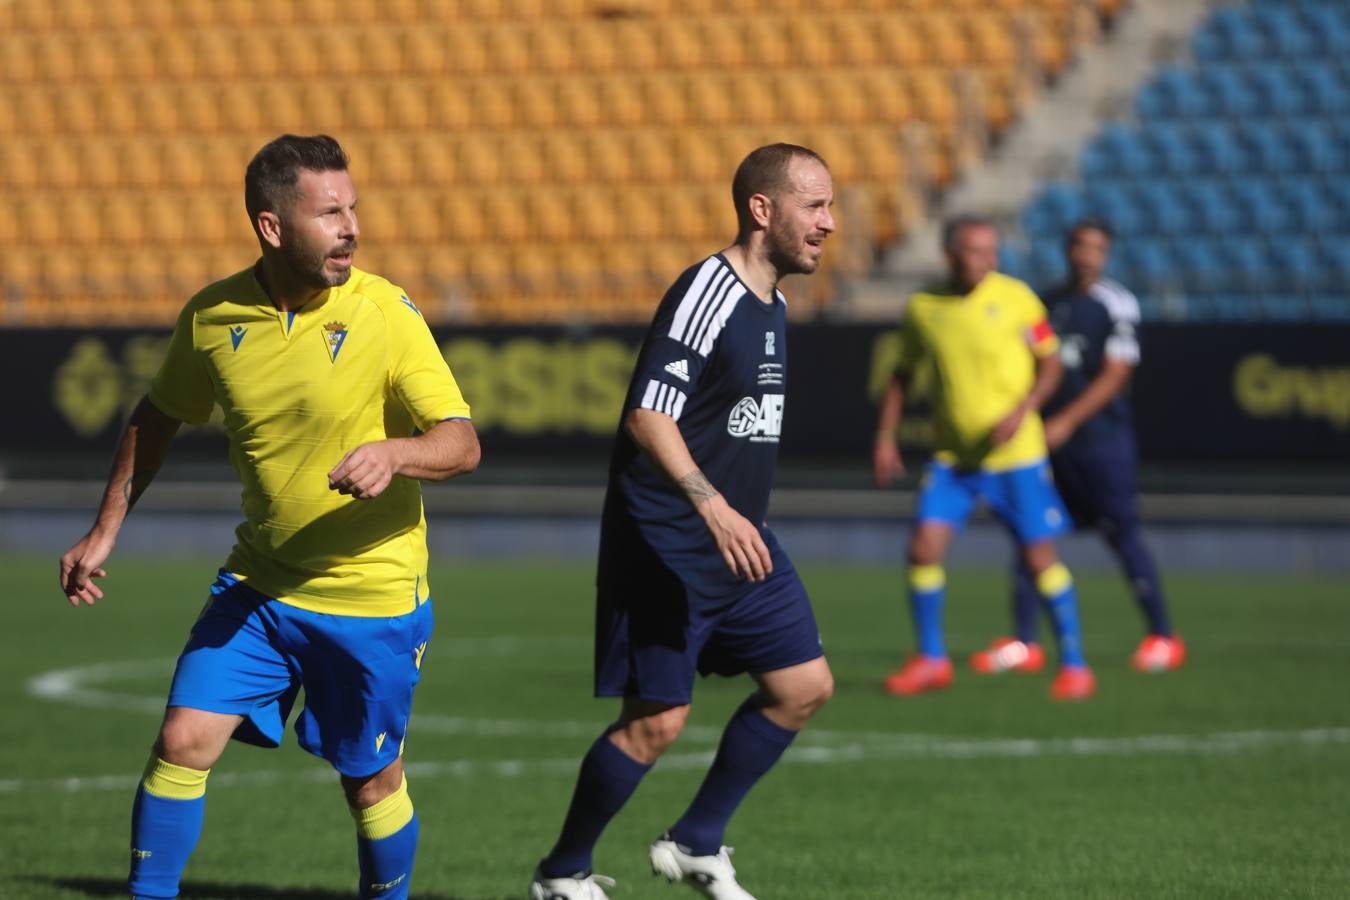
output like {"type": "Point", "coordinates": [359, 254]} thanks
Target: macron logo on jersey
{"type": "Point", "coordinates": [760, 422]}
{"type": "Point", "coordinates": [680, 369]}
{"type": "Point", "coordinates": [237, 333]}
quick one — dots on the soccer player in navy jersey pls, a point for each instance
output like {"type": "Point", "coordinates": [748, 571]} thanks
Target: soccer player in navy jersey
{"type": "Point", "coordinates": [1091, 438]}
{"type": "Point", "coordinates": [690, 578]}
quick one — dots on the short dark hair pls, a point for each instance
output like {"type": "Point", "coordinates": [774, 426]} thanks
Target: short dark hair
{"type": "Point", "coordinates": [953, 227]}
{"type": "Point", "coordinates": [765, 171]}
{"type": "Point", "coordinates": [1091, 223]}
{"type": "Point", "coordinates": [271, 176]}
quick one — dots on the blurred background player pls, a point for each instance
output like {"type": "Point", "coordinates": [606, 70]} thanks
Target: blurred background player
{"type": "Point", "coordinates": [323, 372]}
{"type": "Point", "coordinates": [690, 578]}
{"type": "Point", "coordinates": [995, 363]}
{"type": "Point", "coordinates": [1090, 433]}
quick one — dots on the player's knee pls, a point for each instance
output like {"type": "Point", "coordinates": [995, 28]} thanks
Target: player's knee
{"type": "Point", "coordinates": [816, 694]}
{"type": "Point", "coordinates": [363, 793]}
{"type": "Point", "coordinates": [181, 744]}
{"type": "Point", "coordinates": [926, 548]}
{"type": "Point", "coordinates": [645, 738]}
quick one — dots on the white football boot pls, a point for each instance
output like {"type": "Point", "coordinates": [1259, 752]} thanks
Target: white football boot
{"type": "Point", "coordinates": [711, 876]}
{"type": "Point", "coordinates": [569, 887]}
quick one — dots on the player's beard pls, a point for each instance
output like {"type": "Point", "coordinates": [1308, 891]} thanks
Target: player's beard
{"type": "Point", "coordinates": [307, 266]}
{"type": "Point", "coordinates": [786, 251]}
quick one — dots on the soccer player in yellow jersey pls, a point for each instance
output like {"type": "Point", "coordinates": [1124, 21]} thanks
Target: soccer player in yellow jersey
{"type": "Point", "coordinates": [995, 362]}
{"type": "Point", "coordinates": [336, 401]}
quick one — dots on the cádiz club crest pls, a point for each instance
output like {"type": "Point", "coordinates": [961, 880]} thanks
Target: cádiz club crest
{"type": "Point", "coordinates": [334, 334]}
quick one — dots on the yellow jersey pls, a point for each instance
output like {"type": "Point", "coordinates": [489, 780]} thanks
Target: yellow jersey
{"type": "Point", "coordinates": [982, 347]}
{"type": "Point", "coordinates": [298, 391]}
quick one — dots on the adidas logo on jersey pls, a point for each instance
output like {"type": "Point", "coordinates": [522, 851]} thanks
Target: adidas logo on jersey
{"type": "Point", "coordinates": [679, 368]}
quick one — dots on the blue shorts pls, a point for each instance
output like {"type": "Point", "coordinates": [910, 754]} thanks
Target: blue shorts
{"type": "Point", "coordinates": [249, 655]}
{"type": "Point", "coordinates": [649, 643]}
{"type": "Point", "coordinates": [1098, 485]}
{"type": "Point", "coordinates": [1023, 499]}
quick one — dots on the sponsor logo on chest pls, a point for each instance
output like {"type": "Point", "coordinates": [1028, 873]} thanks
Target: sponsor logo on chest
{"type": "Point", "coordinates": [759, 421]}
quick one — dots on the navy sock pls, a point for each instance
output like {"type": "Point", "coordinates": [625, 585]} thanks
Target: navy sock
{"type": "Point", "coordinates": [166, 821]}
{"type": "Point", "coordinates": [608, 778]}
{"type": "Point", "coordinates": [1026, 605]}
{"type": "Point", "coordinates": [1135, 558]}
{"type": "Point", "coordinates": [751, 744]}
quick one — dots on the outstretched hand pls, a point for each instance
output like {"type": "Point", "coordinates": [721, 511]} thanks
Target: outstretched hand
{"type": "Point", "coordinates": [81, 564]}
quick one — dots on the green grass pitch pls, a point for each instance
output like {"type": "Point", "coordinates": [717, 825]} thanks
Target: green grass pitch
{"type": "Point", "coordinates": [1229, 778]}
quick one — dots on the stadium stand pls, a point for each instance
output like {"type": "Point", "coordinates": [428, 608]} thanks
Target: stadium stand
{"type": "Point", "coordinates": [1228, 191]}
{"type": "Point", "coordinates": [498, 144]}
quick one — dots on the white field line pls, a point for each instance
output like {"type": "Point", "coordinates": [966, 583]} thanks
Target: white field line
{"type": "Point", "coordinates": [960, 749]}
{"type": "Point", "coordinates": [80, 686]}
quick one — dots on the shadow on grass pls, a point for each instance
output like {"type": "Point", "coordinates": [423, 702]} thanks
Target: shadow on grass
{"type": "Point", "coordinates": [213, 890]}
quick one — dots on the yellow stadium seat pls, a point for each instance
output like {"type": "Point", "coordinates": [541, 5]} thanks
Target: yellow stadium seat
{"type": "Point", "coordinates": [20, 166]}
{"type": "Point", "coordinates": [407, 106]}
{"type": "Point", "coordinates": [449, 105]}
{"type": "Point", "coordinates": [770, 46]}
{"type": "Point", "coordinates": [365, 108]}
{"type": "Point", "coordinates": [898, 40]}
{"type": "Point", "coordinates": [424, 50]}
{"type": "Point", "coordinates": [508, 48]}
{"type": "Point", "coordinates": [681, 43]}
{"type": "Point", "coordinates": [434, 160]}
{"type": "Point", "coordinates": [494, 103]}
{"type": "Point", "coordinates": [710, 100]}
{"type": "Point", "coordinates": [565, 156]}
{"type": "Point", "coordinates": [462, 217]}
{"type": "Point", "coordinates": [60, 164]}
{"type": "Point", "coordinates": [536, 105]}
{"type": "Point", "coordinates": [465, 49]}
{"type": "Point", "coordinates": [551, 49]}
{"type": "Point", "coordinates": [635, 45]}
{"type": "Point", "coordinates": [622, 101]}
{"type": "Point", "coordinates": [578, 103]}
{"type": "Point", "coordinates": [101, 163]}
{"type": "Point", "coordinates": [593, 47]}
{"type": "Point", "coordinates": [855, 40]}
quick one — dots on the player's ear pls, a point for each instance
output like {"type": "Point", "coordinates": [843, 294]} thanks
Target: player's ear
{"type": "Point", "coordinates": [269, 227]}
{"type": "Point", "coordinates": [761, 205]}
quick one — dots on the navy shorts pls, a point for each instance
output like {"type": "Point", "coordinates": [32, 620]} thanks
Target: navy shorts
{"type": "Point", "coordinates": [649, 641]}
{"type": "Point", "coordinates": [1098, 486]}
{"type": "Point", "coordinates": [250, 655]}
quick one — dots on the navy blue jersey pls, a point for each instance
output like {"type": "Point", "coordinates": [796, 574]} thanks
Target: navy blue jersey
{"type": "Point", "coordinates": [1093, 325]}
{"type": "Point", "coordinates": [714, 360]}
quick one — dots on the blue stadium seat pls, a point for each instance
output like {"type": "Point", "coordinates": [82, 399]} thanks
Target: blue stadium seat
{"type": "Point", "coordinates": [1055, 208]}
{"type": "Point", "coordinates": [1319, 147]}
{"type": "Point", "coordinates": [1165, 210]}
{"type": "Point", "coordinates": [1328, 88]}
{"type": "Point", "coordinates": [1329, 307]}
{"type": "Point", "coordinates": [1331, 23]}
{"type": "Point", "coordinates": [1219, 150]}
{"type": "Point", "coordinates": [1172, 148]}
{"type": "Point", "coordinates": [1199, 263]}
{"type": "Point", "coordinates": [1046, 261]}
{"type": "Point", "coordinates": [1285, 31]}
{"type": "Point", "coordinates": [1246, 261]}
{"type": "Point", "coordinates": [1144, 261]}
{"type": "Point", "coordinates": [1311, 209]}
{"type": "Point", "coordinates": [1112, 201]}
{"type": "Point", "coordinates": [1276, 90]}
{"type": "Point", "coordinates": [1213, 205]}
{"type": "Point", "coordinates": [1229, 93]}
{"type": "Point", "coordinates": [1272, 150]}
{"type": "Point", "coordinates": [1296, 262]}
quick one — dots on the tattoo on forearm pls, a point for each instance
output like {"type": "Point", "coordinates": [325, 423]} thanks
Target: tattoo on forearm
{"type": "Point", "coordinates": [697, 487]}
